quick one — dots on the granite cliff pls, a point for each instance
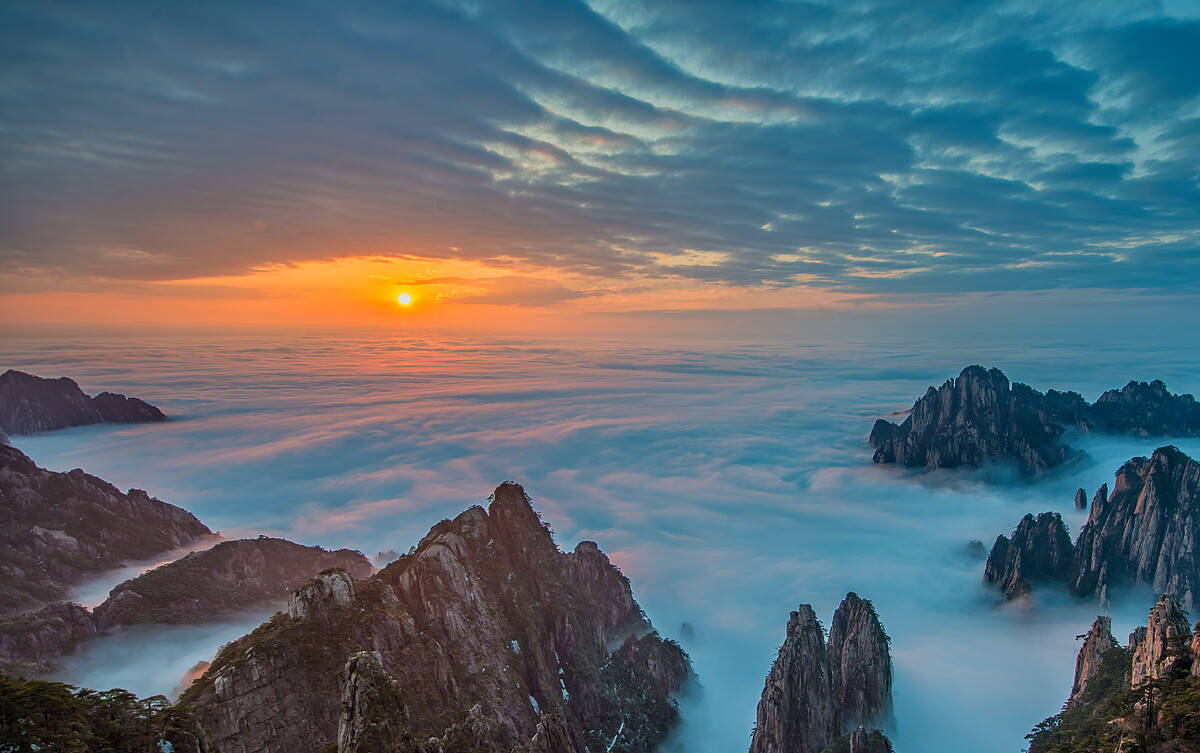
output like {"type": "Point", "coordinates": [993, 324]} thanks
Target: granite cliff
{"type": "Point", "coordinates": [30, 404]}
{"type": "Point", "coordinates": [1144, 532]}
{"type": "Point", "coordinates": [980, 418]}
{"type": "Point", "coordinates": [1039, 550]}
{"type": "Point", "coordinates": [484, 637]}
{"type": "Point", "coordinates": [1142, 697]}
{"type": "Point", "coordinates": [1097, 642]}
{"type": "Point", "coordinates": [58, 529]}
{"type": "Point", "coordinates": [818, 690]}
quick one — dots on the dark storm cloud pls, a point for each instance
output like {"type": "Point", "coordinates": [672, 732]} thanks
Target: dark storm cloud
{"type": "Point", "coordinates": [877, 146]}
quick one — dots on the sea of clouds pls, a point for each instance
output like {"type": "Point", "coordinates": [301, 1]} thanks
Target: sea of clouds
{"type": "Point", "coordinates": [729, 481]}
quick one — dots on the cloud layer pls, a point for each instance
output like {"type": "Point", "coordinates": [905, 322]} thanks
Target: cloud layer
{"type": "Point", "coordinates": [729, 482]}
{"type": "Point", "coordinates": [877, 147]}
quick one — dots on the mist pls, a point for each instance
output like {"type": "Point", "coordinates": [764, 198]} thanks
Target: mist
{"type": "Point", "coordinates": [152, 660]}
{"type": "Point", "coordinates": [729, 482]}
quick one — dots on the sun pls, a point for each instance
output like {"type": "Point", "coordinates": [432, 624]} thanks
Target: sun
{"type": "Point", "coordinates": [404, 299]}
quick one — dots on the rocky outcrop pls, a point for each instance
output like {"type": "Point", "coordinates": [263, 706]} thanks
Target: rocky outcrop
{"type": "Point", "coordinates": [1040, 550]}
{"type": "Point", "coordinates": [816, 690]}
{"type": "Point", "coordinates": [1081, 500]}
{"type": "Point", "coordinates": [861, 659]}
{"type": "Point", "coordinates": [486, 612]}
{"type": "Point", "coordinates": [372, 713]}
{"type": "Point", "coordinates": [57, 529]}
{"type": "Point", "coordinates": [1146, 531]}
{"type": "Point", "coordinates": [1142, 696]}
{"type": "Point", "coordinates": [30, 643]}
{"type": "Point", "coordinates": [322, 596]}
{"type": "Point", "coordinates": [1098, 642]}
{"type": "Point", "coordinates": [1166, 639]}
{"type": "Point", "coordinates": [30, 404]}
{"type": "Point", "coordinates": [796, 712]}
{"type": "Point", "coordinates": [980, 418]}
{"type": "Point", "coordinates": [233, 576]}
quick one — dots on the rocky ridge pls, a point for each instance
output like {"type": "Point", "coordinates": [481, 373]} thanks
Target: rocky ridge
{"type": "Point", "coordinates": [57, 529]}
{"type": "Point", "coordinates": [29, 404]}
{"type": "Point", "coordinates": [980, 418]}
{"type": "Point", "coordinates": [1144, 532]}
{"type": "Point", "coordinates": [232, 577]}
{"type": "Point", "coordinates": [817, 690]}
{"type": "Point", "coordinates": [486, 633]}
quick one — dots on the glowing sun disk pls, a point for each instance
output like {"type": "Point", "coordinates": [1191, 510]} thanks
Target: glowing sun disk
{"type": "Point", "coordinates": [404, 299]}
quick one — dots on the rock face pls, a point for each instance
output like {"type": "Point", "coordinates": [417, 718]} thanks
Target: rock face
{"type": "Point", "coordinates": [816, 690]}
{"type": "Point", "coordinates": [1040, 550]}
{"type": "Point", "coordinates": [485, 632]}
{"type": "Point", "coordinates": [1144, 694]}
{"type": "Point", "coordinates": [796, 712]}
{"type": "Point", "coordinates": [861, 659]}
{"type": "Point", "coordinates": [233, 576]}
{"type": "Point", "coordinates": [979, 418]}
{"type": "Point", "coordinates": [1146, 531]}
{"type": "Point", "coordinates": [1081, 500]}
{"type": "Point", "coordinates": [30, 404]}
{"type": "Point", "coordinates": [1167, 632]}
{"type": "Point", "coordinates": [57, 529]}
{"type": "Point", "coordinates": [1098, 641]}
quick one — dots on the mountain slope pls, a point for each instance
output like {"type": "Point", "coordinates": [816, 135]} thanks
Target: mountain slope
{"type": "Point", "coordinates": [485, 612]}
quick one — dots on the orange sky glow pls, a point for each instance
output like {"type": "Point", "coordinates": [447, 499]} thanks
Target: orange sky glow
{"type": "Point", "coordinates": [363, 291]}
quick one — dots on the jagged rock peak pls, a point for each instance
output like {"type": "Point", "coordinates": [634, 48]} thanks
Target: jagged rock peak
{"type": "Point", "coordinates": [979, 418]}
{"type": "Point", "coordinates": [1081, 500]}
{"type": "Point", "coordinates": [1040, 550]}
{"type": "Point", "coordinates": [514, 520]}
{"type": "Point", "coordinates": [327, 591]}
{"type": "Point", "coordinates": [1096, 643]}
{"type": "Point", "coordinates": [1145, 531]}
{"type": "Point", "coordinates": [485, 615]}
{"type": "Point", "coordinates": [861, 660]}
{"type": "Point", "coordinates": [817, 690]}
{"type": "Point", "coordinates": [1101, 497]}
{"type": "Point", "coordinates": [31, 404]}
{"type": "Point", "coordinates": [1166, 631]}
{"type": "Point", "coordinates": [796, 713]}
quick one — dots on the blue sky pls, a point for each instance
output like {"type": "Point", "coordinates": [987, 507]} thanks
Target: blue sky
{"type": "Point", "coordinates": [877, 148]}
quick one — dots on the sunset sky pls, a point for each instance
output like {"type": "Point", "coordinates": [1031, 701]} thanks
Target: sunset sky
{"type": "Point", "coordinates": [506, 162]}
